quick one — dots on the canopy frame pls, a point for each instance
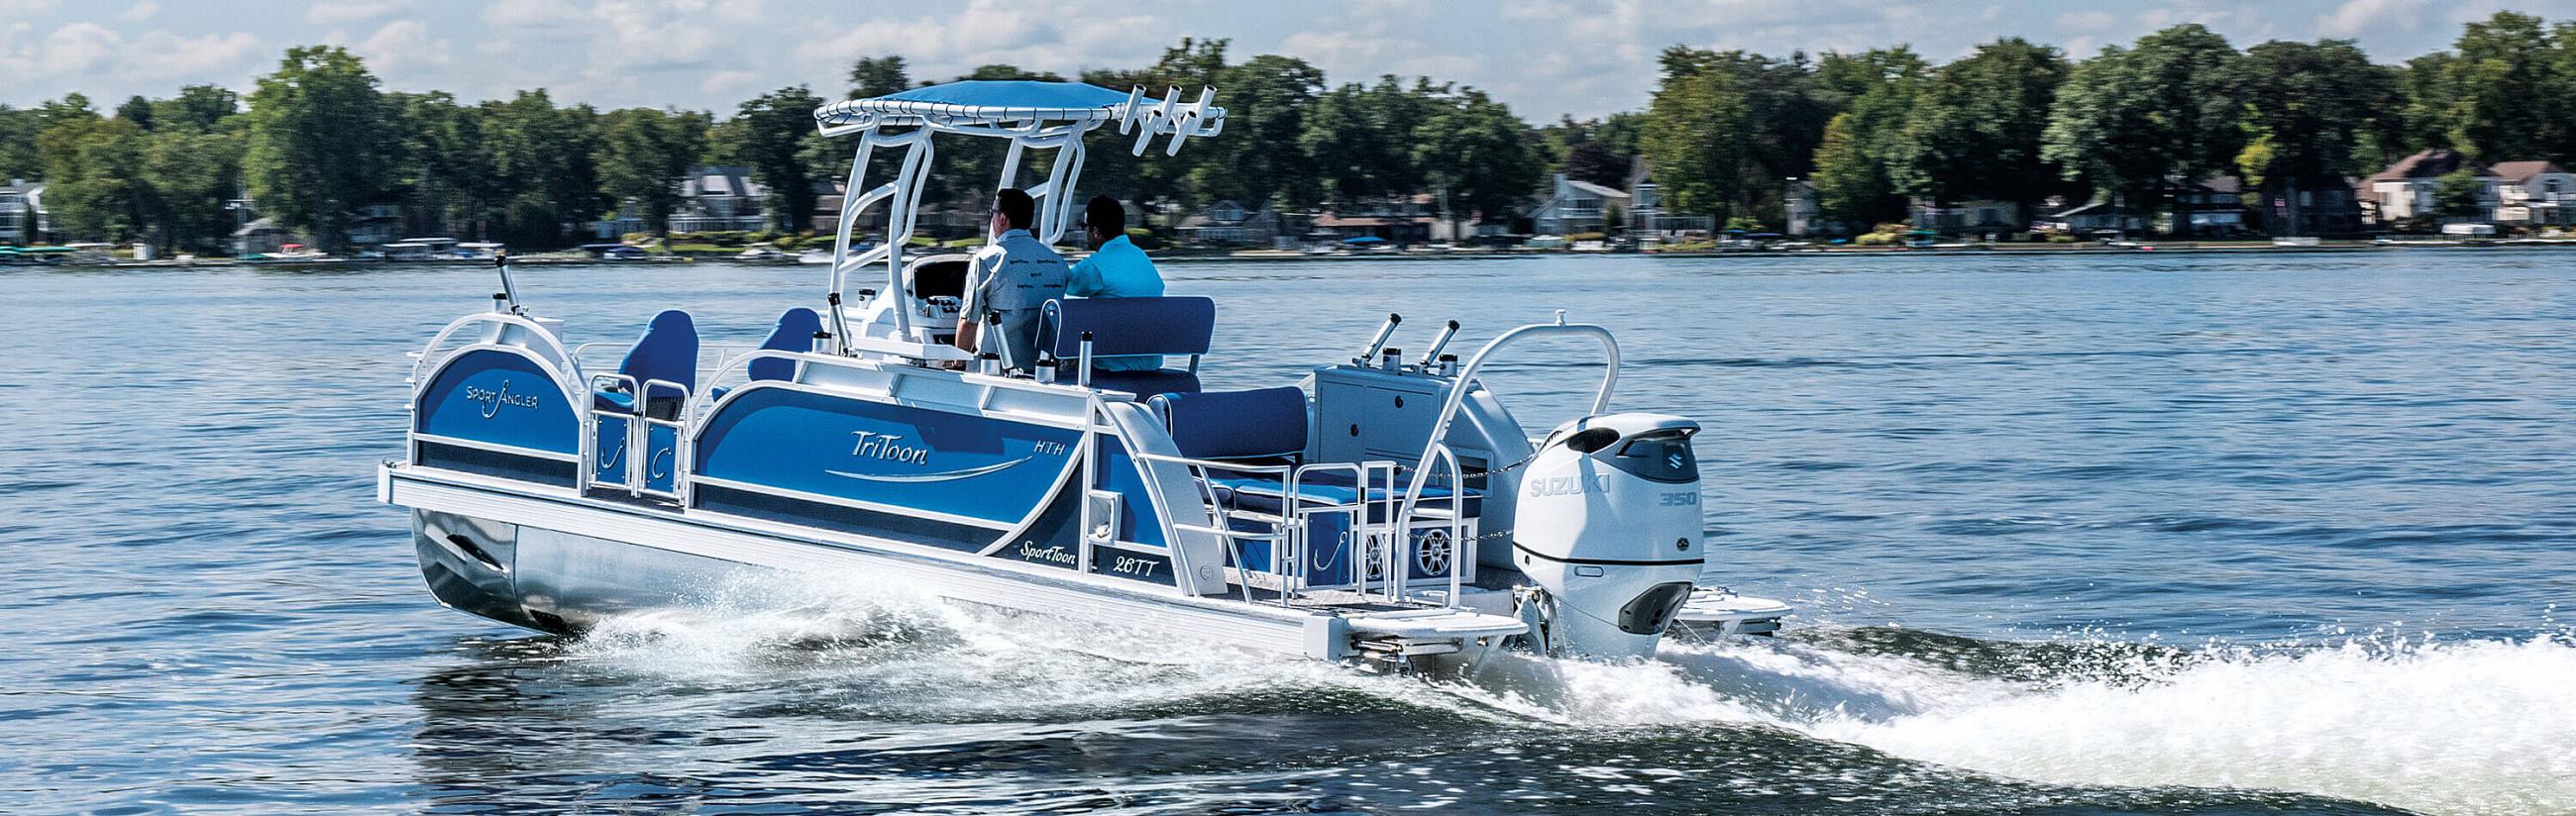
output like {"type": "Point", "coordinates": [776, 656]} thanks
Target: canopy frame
{"type": "Point", "coordinates": [908, 121]}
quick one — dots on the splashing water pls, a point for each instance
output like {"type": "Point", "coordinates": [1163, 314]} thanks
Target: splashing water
{"type": "Point", "coordinates": [2478, 727]}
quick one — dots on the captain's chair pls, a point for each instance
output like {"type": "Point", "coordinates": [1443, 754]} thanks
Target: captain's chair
{"type": "Point", "coordinates": [795, 332]}
{"type": "Point", "coordinates": [668, 352]}
{"type": "Point", "coordinates": [1170, 326]}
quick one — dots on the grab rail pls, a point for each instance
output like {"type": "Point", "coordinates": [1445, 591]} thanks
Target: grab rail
{"type": "Point", "coordinates": [1466, 378]}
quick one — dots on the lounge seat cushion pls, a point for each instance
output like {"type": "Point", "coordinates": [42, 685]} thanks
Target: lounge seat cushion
{"type": "Point", "coordinates": [1143, 383]}
{"type": "Point", "coordinates": [1266, 423]}
{"type": "Point", "coordinates": [1261, 493]}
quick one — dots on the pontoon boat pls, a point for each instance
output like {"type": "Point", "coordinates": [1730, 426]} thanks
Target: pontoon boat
{"type": "Point", "coordinates": [1381, 509]}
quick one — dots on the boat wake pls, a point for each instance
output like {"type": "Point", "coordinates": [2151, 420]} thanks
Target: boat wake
{"type": "Point", "coordinates": [2471, 727]}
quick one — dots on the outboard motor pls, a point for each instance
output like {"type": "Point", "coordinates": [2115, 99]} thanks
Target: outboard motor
{"type": "Point", "coordinates": [1608, 526]}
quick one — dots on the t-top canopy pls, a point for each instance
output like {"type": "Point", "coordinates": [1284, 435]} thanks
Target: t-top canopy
{"type": "Point", "coordinates": [982, 100]}
{"type": "Point", "coordinates": [1012, 94]}
{"type": "Point", "coordinates": [1023, 106]}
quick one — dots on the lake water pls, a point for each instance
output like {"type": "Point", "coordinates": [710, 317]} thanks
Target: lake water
{"type": "Point", "coordinates": [2069, 535]}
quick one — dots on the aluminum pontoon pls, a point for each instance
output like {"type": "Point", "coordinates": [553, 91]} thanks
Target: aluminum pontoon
{"type": "Point", "coordinates": [1379, 509]}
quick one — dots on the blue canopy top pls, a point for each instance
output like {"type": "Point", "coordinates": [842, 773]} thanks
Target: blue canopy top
{"type": "Point", "coordinates": [1013, 93]}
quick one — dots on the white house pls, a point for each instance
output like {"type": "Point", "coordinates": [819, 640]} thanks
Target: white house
{"type": "Point", "coordinates": [2405, 190]}
{"type": "Point", "coordinates": [721, 198]}
{"type": "Point", "coordinates": [22, 212]}
{"type": "Point", "coordinates": [1576, 207]}
{"type": "Point", "coordinates": [2534, 193]}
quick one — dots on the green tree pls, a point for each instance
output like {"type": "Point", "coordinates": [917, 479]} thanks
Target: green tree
{"type": "Point", "coordinates": [1694, 133]}
{"type": "Point", "coordinates": [770, 134]}
{"type": "Point", "coordinates": [2457, 194]}
{"type": "Point", "coordinates": [1975, 129]}
{"type": "Point", "coordinates": [1478, 156]}
{"type": "Point", "coordinates": [445, 166]}
{"type": "Point", "coordinates": [542, 157]}
{"type": "Point", "coordinates": [1266, 101]}
{"type": "Point", "coordinates": [196, 174]}
{"type": "Point", "coordinates": [642, 156]}
{"type": "Point", "coordinates": [137, 110]}
{"type": "Point", "coordinates": [317, 147]}
{"type": "Point", "coordinates": [1859, 159]}
{"type": "Point", "coordinates": [2131, 118]}
{"type": "Point", "coordinates": [2311, 108]}
{"type": "Point", "coordinates": [872, 77]}
{"type": "Point", "coordinates": [98, 183]}
{"type": "Point", "coordinates": [197, 107]}
{"type": "Point", "coordinates": [2501, 86]}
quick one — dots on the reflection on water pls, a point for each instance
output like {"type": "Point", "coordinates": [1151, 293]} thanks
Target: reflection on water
{"type": "Point", "coordinates": [2067, 535]}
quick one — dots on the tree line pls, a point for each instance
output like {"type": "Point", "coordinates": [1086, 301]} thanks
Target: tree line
{"type": "Point", "coordinates": [318, 141]}
{"type": "Point", "coordinates": [2020, 122]}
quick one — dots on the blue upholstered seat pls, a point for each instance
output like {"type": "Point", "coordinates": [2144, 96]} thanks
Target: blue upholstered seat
{"type": "Point", "coordinates": [1176, 326]}
{"type": "Point", "coordinates": [1268, 423]}
{"type": "Point", "coordinates": [795, 333]}
{"type": "Point", "coordinates": [668, 351]}
{"type": "Point", "coordinates": [1265, 494]}
{"type": "Point", "coordinates": [1268, 427]}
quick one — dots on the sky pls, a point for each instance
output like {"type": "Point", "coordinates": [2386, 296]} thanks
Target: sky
{"type": "Point", "coordinates": [1545, 58]}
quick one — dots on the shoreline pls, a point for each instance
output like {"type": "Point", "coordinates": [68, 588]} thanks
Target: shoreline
{"type": "Point", "coordinates": [1283, 256]}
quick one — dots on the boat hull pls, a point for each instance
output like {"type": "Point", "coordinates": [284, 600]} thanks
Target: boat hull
{"type": "Point", "coordinates": [516, 564]}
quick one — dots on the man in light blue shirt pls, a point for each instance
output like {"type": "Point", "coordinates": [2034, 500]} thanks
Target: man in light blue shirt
{"type": "Point", "coordinates": [1115, 269]}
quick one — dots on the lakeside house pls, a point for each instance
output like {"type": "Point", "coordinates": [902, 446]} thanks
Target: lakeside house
{"type": "Point", "coordinates": [23, 218]}
{"type": "Point", "coordinates": [719, 198]}
{"type": "Point", "coordinates": [263, 236]}
{"type": "Point", "coordinates": [2534, 193]}
{"type": "Point", "coordinates": [1647, 214]}
{"type": "Point", "coordinates": [1970, 216]}
{"type": "Point", "coordinates": [2404, 191]}
{"type": "Point", "coordinates": [2323, 205]}
{"type": "Point", "coordinates": [1228, 223]}
{"type": "Point", "coordinates": [2093, 217]}
{"type": "Point", "coordinates": [1574, 207]}
{"type": "Point", "coordinates": [1401, 219]}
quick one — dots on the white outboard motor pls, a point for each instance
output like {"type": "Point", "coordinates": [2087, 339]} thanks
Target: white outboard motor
{"type": "Point", "coordinates": [1608, 526]}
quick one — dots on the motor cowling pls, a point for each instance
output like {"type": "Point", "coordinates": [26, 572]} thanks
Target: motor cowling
{"type": "Point", "coordinates": [1608, 525]}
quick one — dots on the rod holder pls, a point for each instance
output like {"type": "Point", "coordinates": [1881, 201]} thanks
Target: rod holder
{"type": "Point", "coordinates": [839, 320]}
{"type": "Point", "coordinates": [1379, 342]}
{"type": "Point", "coordinates": [509, 291]}
{"type": "Point", "coordinates": [1437, 344]}
{"type": "Point", "coordinates": [1082, 371]}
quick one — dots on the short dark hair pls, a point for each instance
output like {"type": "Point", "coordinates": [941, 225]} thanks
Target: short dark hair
{"type": "Point", "coordinates": [1016, 207]}
{"type": "Point", "coordinates": [1104, 214]}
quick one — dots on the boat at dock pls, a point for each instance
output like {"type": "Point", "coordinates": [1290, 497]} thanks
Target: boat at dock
{"type": "Point", "coordinates": [1381, 509]}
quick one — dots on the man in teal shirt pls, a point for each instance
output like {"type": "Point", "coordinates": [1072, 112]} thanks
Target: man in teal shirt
{"type": "Point", "coordinates": [1115, 269]}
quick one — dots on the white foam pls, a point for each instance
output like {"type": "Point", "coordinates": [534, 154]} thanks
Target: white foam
{"type": "Point", "coordinates": [2459, 728]}
{"type": "Point", "coordinates": [2483, 727]}
{"type": "Point", "coordinates": [2468, 728]}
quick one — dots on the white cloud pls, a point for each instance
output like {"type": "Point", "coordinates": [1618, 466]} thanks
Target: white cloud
{"type": "Point", "coordinates": [534, 13]}
{"type": "Point", "coordinates": [404, 48]}
{"type": "Point", "coordinates": [140, 12]}
{"type": "Point", "coordinates": [80, 48]}
{"type": "Point", "coordinates": [162, 56]}
{"type": "Point", "coordinates": [338, 12]}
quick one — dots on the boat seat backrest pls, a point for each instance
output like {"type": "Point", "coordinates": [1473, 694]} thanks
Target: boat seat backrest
{"type": "Point", "coordinates": [1125, 326]}
{"type": "Point", "coordinates": [795, 333]}
{"type": "Point", "coordinates": [1267, 423]}
{"type": "Point", "coordinates": [668, 351]}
